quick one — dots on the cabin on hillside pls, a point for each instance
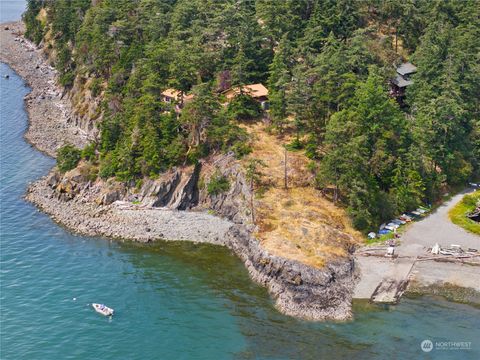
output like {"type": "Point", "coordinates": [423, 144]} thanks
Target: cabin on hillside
{"type": "Point", "coordinates": [402, 81]}
{"type": "Point", "coordinates": [256, 91]}
{"type": "Point", "coordinates": [176, 97]}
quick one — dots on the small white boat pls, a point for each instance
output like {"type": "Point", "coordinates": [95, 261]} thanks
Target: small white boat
{"type": "Point", "coordinates": [102, 309]}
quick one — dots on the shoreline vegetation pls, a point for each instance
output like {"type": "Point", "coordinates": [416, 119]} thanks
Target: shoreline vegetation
{"type": "Point", "coordinates": [363, 93]}
{"type": "Point", "coordinates": [133, 166]}
{"type": "Point", "coordinates": [458, 214]}
{"type": "Point", "coordinates": [299, 290]}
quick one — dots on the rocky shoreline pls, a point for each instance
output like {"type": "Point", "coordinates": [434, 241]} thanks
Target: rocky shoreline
{"type": "Point", "coordinates": [112, 221]}
{"type": "Point", "coordinates": [49, 111]}
{"type": "Point", "coordinates": [85, 207]}
{"type": "Point", "coordinates": [299, 290]}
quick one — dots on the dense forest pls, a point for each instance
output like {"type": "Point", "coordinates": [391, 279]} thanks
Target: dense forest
{"type": "Point", "coordinates": [326, 63]}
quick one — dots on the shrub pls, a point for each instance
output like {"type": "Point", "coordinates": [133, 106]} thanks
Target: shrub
{"type": "Point", "coordinates": [88, 152]}
{"type": "Point", "coordinates": [295, 144]}
{"type": "Point", "coordinates": [89, 171]}
{"type": "Point", "coordinates": [107, 167]}
{"type": "Point", "coordinates": [311, 150]}
{"type": "Point", "coordinates": [93, 173]}
{"type": "Point", "coordinates": [241, 149]}
{"type": "Point", "coordinates": [68, 157]}
{"type": "Point", "coordinates": [95, 87]}
{"type": "Point", "coordinates": [470, 200]}
{"type": "Point", "coordinates": [67, 79]}
{"type": "Point", "coordinates": [218, 184]}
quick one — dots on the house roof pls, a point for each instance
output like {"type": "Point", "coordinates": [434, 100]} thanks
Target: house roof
{"type": "Point", "coordinates": [406, 68]}
{"type": "Point", "coordinates": [254, 90]}
{"type": "Point", "coordinates": [401, 82]}
{"type": "Point", "coordinates": [171, 93]}
{"type": "Point", "coordinates": [175, 94]}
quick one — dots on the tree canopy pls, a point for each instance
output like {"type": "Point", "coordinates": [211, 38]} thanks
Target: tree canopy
{"type": "Point", "coordinates": [327, 64]}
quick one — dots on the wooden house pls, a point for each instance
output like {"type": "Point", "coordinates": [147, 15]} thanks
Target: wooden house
{"type": "Point", "coordinates": [256, 91]}
{"type": "Point", "coordinates": [176, 97]}
{"type": "Point", "coordinates": [402, 81]}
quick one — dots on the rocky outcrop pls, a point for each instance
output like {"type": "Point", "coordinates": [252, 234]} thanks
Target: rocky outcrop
{"type": "Point", "coordinates": [148, 211]}
{"type": "Point", "coordinates": [233, 203]}
{"type": "Point", "coordinates": [299, 290]}
{"type": "Point", "coordinates": [87, 111]}
{"type": "Point", "coordinates": [116, 221]}
{"type": "Point", "coordinates": [174, 190]}
{"type": "Point", "coordinates": [122, 211]}
{"type": "Point", "coordinates": [178, 190]}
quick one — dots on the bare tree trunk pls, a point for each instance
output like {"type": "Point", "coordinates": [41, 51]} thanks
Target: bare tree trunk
{"type": "Point", "coordinates": [285, 171]}
{"type": "Point", "coordinates": [335, 194]}
{"type": "Point", "coordinates": [396, 40]}
{"type": "Point", "coordinates": [251, 201]}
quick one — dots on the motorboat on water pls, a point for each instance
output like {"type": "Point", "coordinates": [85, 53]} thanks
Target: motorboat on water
{"type": "Point", "coordinates": [103, 309]}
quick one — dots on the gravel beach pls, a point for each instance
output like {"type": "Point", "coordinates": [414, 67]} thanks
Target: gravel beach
{"type": "Point", "coordinates": [50, 127]}
{"type": "Point", "coordinates": [48, 111]}
{"type": "Point", "coordinates": [142, 225]}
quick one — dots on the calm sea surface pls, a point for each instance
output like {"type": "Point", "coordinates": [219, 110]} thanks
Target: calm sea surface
{"type": "Point", "coordinates": [11, 10]}
{"type": "Point", "coordinates": [172, 300]}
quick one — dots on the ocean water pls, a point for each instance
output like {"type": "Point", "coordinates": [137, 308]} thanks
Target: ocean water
{"type": "Point", "coordinates": [173, 300]}
{"type": "Point", "coordinates": [11, 10]}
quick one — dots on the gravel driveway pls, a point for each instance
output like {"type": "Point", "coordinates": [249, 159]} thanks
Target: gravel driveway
{"type": "Point", "coordinates": [437, 228]}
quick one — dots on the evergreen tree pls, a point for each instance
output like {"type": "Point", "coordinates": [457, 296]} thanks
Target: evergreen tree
{"type": "Point", "coordinates": [278, 81]}
{"type": "Point", "coordinates": [316, 58]}
{"type": "Point", "coordinates": [364, 144]}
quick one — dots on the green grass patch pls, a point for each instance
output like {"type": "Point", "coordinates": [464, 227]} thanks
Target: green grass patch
{"type": "Point", "coordinates": [458, 213]}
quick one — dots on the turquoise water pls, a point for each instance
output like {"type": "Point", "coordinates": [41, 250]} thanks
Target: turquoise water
{"type": "Point", "coordinates": [173, 300]}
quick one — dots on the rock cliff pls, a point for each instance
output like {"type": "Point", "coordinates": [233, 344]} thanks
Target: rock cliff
{"type": "Point", "coordinates": [299, 290]}
{"type": "Point", "coordinates": [150, 210]}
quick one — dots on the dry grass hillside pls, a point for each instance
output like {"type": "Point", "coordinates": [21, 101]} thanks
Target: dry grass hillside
{"type": "Point", "coordinates": [296, 223]}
